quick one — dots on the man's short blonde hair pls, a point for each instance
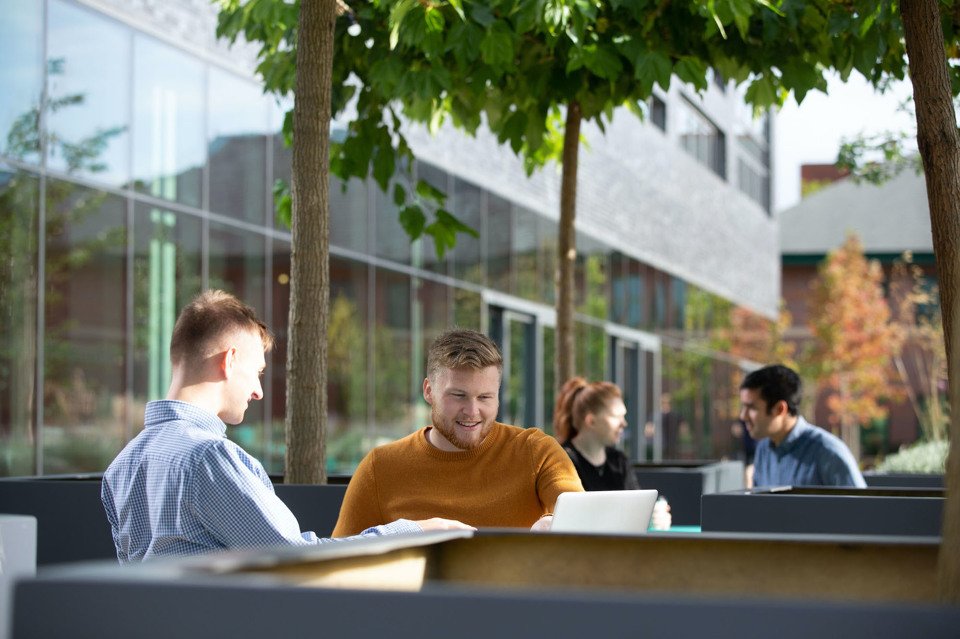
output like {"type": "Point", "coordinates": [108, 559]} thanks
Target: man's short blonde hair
{"type": "Point", "coordinates": [208, 318]}
{"type": "Point", "coordinates": [462, 348]}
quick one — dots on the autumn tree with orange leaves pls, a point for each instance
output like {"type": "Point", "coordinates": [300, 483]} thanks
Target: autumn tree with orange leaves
{"type": "Point", "coordinates": [854, 339]}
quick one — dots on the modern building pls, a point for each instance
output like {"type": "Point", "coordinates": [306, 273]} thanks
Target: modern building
{"type": "Point", "coordinates": [889, 220]}
{"type": "Point", "coordinates": [137, 160]}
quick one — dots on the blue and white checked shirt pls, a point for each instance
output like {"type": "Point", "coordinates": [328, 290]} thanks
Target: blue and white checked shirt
{"type": "Point", "coordinates": [182, 488]}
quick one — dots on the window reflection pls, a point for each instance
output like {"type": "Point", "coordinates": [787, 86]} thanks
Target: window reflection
{"type": "Point", "coordinates": [166, 276]}
{"type": "Point", "coordinates": [547, 231]}
{"type": "Point", "coordinates": [348, 214]}
{"type": "Point", "coordinates": [238, 265]}
{"type": "Point", "coordinates": [84, 342]}
{"type": "Point", "coordinates": [19, 202]}
{"type": "Point", "coordinates": [467, 261]}
{"type": "Point", "coordinates": [528, 249]}
{"type": "Point", "coordinates": [392, 396]}
{"type": "Point", "coordinates": [347, 365]}
{"type": "Point", "coordinates": [438, 179]}
{"type": "Point", "coordinates": [21, 76]}
{"type": "Point", "coordinates": [238, 128]}
{"type": "Point", "coordinates": [590, 277]}
{"type": "Point", "coordinates": [168, 144]}
{"type": "Point", "coordinates": [701, 138]}
{"type": "Point", "coordinates": [498, 243]}
{"type": "Point", "coordinates": [391, 241]}
{"type": "Point", "coordinates": [88, 62]}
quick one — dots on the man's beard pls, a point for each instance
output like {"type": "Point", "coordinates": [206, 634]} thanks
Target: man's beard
{"type": "Point", "coordinates": [449, 431]}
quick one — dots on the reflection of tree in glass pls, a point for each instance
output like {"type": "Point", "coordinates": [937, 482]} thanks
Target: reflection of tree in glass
{"type": "Point", "coordinates": [18, 321]}
{"type": "Point", "coordinates": [67, 389]}
{"type": "Point", "coordinates": [24, 136]}
{"type": "Point", "coordinates": [346, 346]}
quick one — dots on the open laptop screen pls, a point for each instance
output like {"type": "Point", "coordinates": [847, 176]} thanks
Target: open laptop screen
{"type": "Point", "coordinates": [604, 511]}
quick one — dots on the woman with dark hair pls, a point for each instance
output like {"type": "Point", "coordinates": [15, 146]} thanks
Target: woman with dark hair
{"type": "Point", "coordinates": [588, 421]}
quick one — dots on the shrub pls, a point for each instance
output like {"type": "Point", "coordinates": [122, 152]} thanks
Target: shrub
{"type": "Point", "coordinates": [920, 457]}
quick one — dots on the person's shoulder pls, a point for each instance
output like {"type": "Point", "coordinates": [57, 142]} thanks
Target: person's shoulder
{"type": "Point", "coordinates": [526, 435]}
{"type": "Point", "coordinates": [616, 456]}
{"type": "Point", "coordinates": [399, 447]}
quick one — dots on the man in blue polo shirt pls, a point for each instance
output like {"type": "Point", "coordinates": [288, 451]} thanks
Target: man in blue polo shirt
{"type": "Point", "coordinates": [791, 451]}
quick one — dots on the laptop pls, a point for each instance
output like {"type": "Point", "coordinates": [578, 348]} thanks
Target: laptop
{"type": "Point", "coordinates": [604, 511]}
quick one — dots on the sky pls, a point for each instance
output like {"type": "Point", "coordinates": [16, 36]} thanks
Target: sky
{"type": "Point", "coordinates": [812, 132]}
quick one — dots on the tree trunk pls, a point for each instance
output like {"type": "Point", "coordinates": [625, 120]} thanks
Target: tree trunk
{"type": "Point", "coordinates": [309, 266]}
{"type": "Point", "coordinates": [565, 359]}
{"type": "Point", "coordinates": [940, 151]}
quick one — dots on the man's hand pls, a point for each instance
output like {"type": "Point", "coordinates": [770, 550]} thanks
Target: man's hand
{"type": "Point", "coordinates": [543, 524]}
{"type": "Point", "coordinates": [438, 523]}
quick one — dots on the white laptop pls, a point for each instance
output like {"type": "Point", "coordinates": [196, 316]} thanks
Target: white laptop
{"type": "Point", "coordinates": [604, 511]}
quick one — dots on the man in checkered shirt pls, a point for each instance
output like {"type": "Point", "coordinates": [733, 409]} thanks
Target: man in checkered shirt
{"type": "Point", "coordinates": [181, 487]}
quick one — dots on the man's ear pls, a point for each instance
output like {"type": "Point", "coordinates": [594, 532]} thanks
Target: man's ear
{"type": "Point", "coordinates": [227, 360]}
{"type": "Point", "coordinates": [427, 391]}
{"type": "Point", "coordinates": [781, 408]}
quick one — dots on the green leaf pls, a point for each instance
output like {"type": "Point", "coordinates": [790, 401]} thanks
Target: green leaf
{"type": "Point", "coordinates": [453, 223]}
{"type": "Point", "coordinates": [692, 71]}
{"type": "Point", "coordinates": [481, 14]}
{"type": "Point", "coordinates": [428, 192]}
{"type": "Point", "coordinates": [384, 165]}
{"type": "Point", "coordinates": [458, 7]}
{"type": "Point", "coordinates": [434, 19]}
{"type": "Point", "coordinates": [761, 92]}
{"type": "Point", "coordinates": [653, 66]}
{"type": "Point", "coordinates": [412, 220]}
{"type": "Point", "coordinates": [397, 14]}
{"type": "Point", "coordinates": [283, 203]}
{"type": "Point", "coordinates": [603, 62]}
{"type": "Point", "coordinates": [497, 46]}
{"type": "Point", "coordinates": [399, 195]}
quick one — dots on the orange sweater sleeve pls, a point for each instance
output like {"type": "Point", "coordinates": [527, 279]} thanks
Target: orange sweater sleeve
{"type": "Point", "coordinates": [557, 474]}
{"type": "Point", "coordinates": [361, 503]}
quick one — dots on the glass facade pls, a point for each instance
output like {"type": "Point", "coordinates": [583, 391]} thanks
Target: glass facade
{"type": "Point", "coordinates": [134, 175]}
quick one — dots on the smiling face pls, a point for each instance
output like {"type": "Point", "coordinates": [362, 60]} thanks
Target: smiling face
{"type": "Point", "coordinates": [464, 403]}
{"type": "Point", "coordinates": [244, 367]}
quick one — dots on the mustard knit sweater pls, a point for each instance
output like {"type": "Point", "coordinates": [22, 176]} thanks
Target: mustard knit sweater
{"type": "Point", "coordinates": [510, 480]}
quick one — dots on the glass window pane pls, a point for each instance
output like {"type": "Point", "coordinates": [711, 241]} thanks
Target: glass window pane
{"type": "Point", "coordinates": [85, 417]}
{"type": "Point", "coordinates": [467, 261]}
{"type": "Point", "coordinates": [276, 373]}
{"type": "Point", "coordinates": [19, 203]}
{"type": "Point", "coordinates": [466, 309]}
{"type": "Point", "coordinates": [21, 76]}
{"type": "Point", "coordinates": [549, 376]}
{"type": "Point", "coordinates": [391, 242]}
{"type": "Point", "coordinates": [88, 59]}
{"type": "Point", "coordinates": [238, 127]}
{"type": "Point", "coordinates": [168, 143]}
{"type": "Point", "coordinates": [238, 266]}
{"type": "Point", "coordinates": [393, 403]}
{"type": "Point", "coordinates": [547, 234]}
{"type": "Point", "coordinates": [166, 276]}
{"type": "Point", "coordinates": [348, 214]}
{"type": "Point", "coordinates": [438, 179]}
{"type": "Point", "coordinates": [590, 277]}
{"type": "Point", "coordinates": [591, 345]}
{"type": "Point", "coordinates": [526, 255]}
{"type": "Point", "coordinates": [499, 242]}
{"type": "Point", "coordinates": [347, 366]}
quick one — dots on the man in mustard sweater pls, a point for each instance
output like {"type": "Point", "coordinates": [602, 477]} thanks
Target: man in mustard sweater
{"type": "Point", "coordinates": [464, 466]}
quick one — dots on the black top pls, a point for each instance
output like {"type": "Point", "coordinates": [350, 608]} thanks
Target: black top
{"type": "Point", "coordinates": [615, 474]}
